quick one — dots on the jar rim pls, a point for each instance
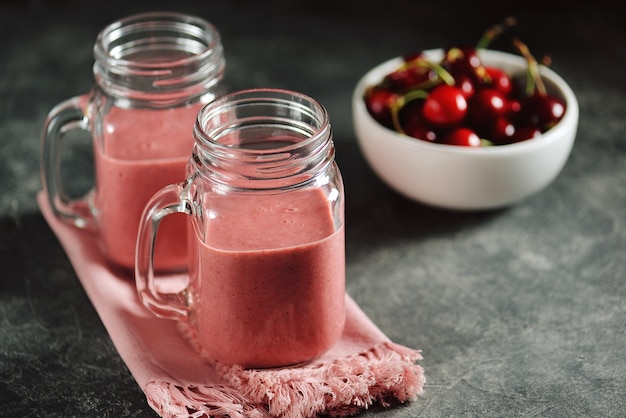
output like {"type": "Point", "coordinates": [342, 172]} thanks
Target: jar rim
{"type": "Point", "coordinates": [263, 138]}
{"type": "Point", "coordinates": [293, 100]}
{"type": "Point", "coordinates": [159, 59]}
{"type": "Point", "coordinates": [204, 32]}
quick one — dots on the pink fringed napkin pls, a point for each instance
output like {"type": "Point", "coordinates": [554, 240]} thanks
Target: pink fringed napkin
{"type": "Point", "coordinates": [362, 368]}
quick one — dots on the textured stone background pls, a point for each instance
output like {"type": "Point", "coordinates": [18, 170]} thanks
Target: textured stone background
{"type": "Point", "coordinates": [519, 312]}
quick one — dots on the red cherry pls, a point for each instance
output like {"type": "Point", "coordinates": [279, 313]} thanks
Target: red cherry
{"type": "Point", "coordinates": [413, 73]}
{"type": "Point", "coordinates": [466, 85]}
{"type": "Point", "coordinates": [554, 110]}
{"type": "Point", "coordinates": [426, 134]}
{"type": "Point", "coordinates": [462, 136]}
{"type": "Point", "coordinates": [540, 110]}
{"type": "Point", "coordinates": [423, 132]}
{"type": "Point", "coordinates": [412, 122]}
{"type": "Point", "coordinates": [502, 131]}
{"type": "Point", "coordinates": [499, 80]}
{"type": "Point", "coordinates": [513, 107]}
{"type": "Point", "coordinates": [379, 101]}
{"type": "Point", "coordinates": [445, 106]}
{"type": "Point", "coordinates": [524, 133]}
{"type": "Point", "coordinates": [460, 60]}
{"type": "Point", "coordinates": [408, 77]}
{"type": "Point", "coordinates": [485, 107]}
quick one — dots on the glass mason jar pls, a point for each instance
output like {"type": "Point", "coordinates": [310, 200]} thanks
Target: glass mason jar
{"type": "Point", "coordinates": [153, 73]}
{"type": "Point", "coordinates": [265, 203]}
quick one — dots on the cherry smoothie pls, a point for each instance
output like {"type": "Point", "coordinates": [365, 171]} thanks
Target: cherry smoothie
{"type": "Point", "coordinates": [141, 151]}
{"type": "Point", "coordinates": [269, 279]}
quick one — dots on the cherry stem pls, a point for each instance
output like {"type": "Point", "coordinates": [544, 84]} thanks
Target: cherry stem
{"type": "Point", "coordinates": [401, 102]}
{"type": "Point", "coordinates": [493, 32]}
{"type": "Point", "coordinates": [533, 76]}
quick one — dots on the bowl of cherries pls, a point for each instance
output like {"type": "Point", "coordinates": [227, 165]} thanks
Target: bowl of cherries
{"type": "Point", "coordinates": [465, 127]}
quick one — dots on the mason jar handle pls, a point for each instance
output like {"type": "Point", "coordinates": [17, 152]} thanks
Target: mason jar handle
{"type": "Point", "coordinates": [64, 117]}
{"type": "Point", "coordinates": [167, 201]}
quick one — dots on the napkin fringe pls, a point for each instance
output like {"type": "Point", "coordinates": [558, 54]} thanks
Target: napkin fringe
{"type": "Point", "coordinates": [386, 373]}
{"type": "Point", "coordinates": [175, 401]}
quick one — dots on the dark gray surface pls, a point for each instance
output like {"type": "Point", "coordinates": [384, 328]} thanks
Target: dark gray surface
{"type": "Point", "coordinates": [519, 312]}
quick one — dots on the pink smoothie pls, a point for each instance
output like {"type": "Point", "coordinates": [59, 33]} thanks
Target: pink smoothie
{"type": "Point", "coordinates": [141, 151]}
{"type": "Point", "coordinates": [261, 307]}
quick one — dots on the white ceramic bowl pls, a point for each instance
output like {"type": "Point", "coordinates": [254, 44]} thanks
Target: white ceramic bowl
{"type": "Point", "coordinates": [462, 178]}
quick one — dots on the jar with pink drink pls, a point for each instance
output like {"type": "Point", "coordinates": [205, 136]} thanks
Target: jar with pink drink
{"type": "Point", "coordinates": [153, 72]}
{"type": "Point", "coordinates": [265, 203]}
